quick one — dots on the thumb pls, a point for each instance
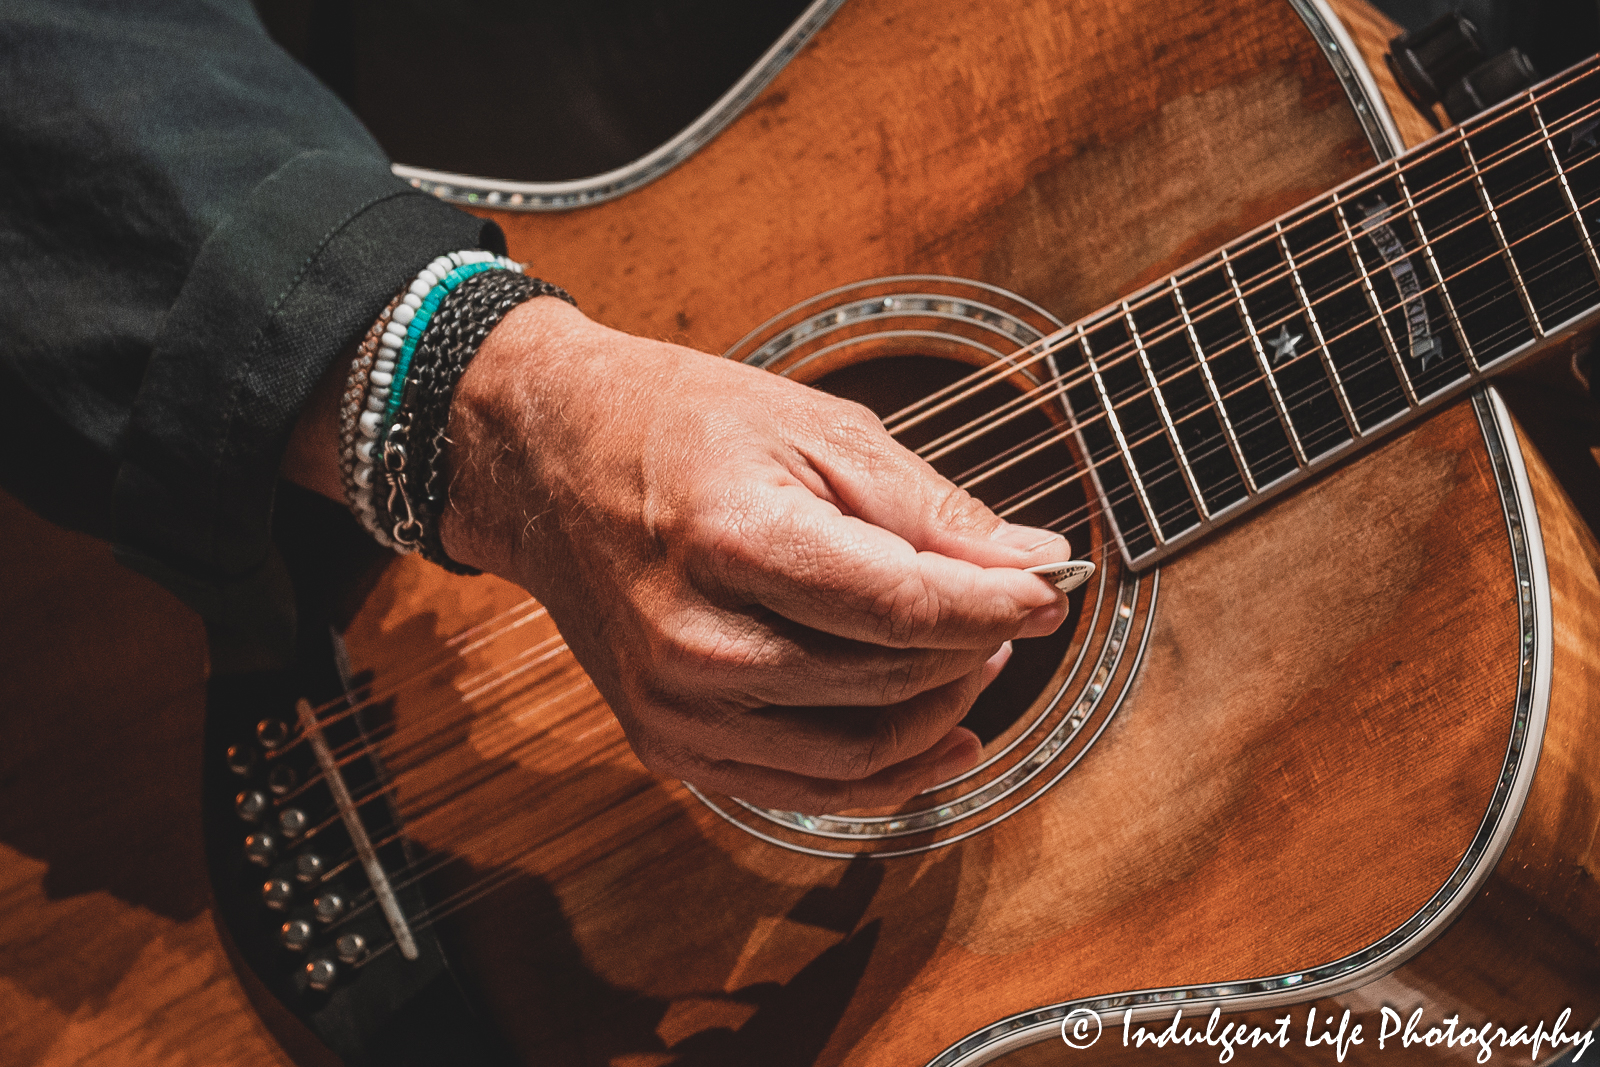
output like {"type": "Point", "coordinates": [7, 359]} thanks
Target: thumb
{"type": "Point", "coordinates": [881, 482]}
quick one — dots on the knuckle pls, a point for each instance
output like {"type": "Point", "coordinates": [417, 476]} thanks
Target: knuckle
{"type": "Point", "coordinates": [905, 678]}
{"type": "Point", "coordinates": [696, 654]}
{"type": "Point", "coordinates": [955, 508]}
{"type": "Point", "coordinates": [906, 612]}
{"type": "Point", "coordinates": [871, 754]}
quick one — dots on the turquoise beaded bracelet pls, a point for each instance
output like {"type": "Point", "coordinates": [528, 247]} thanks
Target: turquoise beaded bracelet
{"type": "Point", "coordinates": [398, 343]}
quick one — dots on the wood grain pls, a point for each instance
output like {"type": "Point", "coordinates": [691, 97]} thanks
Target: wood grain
{"type": "Point", "coordinates": [1321, 682]}
{"type": "Point", "coordinates": [108, 955]}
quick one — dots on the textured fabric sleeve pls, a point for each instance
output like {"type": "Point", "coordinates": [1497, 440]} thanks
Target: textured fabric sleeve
{"type": "Point", "coordinates": [191, 230]}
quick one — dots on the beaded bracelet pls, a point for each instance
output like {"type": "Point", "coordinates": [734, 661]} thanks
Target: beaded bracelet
{"type": "Point", "coordinates": [354, 400]}
{"type": "Point", "coordinates": [460, 326]}
{"type": "Point", "coordinates": [404, 377]}
{"type": "Point", "coordinates": [385, 377]}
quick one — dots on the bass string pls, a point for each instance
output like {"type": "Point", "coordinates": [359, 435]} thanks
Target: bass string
{"type": "Point", "coordinates": [1264, 415]}
{"type": "Point", "coordinates": [1372, 404]}
{"type": "Point", "coordinates": [1534, 270]}
{"type": "Point", "coordinates": [1106, 547]}
{"type": "Point", "coordinates": [415, 811]}
{"type": "Point", "coordinates": [498, 673]}
{"type": "Point", "coordinates": [418, 755]}
{"type": "Point", "coordinates": [1046, 391]}
{"type": "Point", "coordinates": [466, 896]}
{"type": "Point", "coordinates": [984, 377]}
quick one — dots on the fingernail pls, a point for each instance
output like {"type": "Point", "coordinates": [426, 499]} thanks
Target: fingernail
{"type": "Point", "coordinates": [1023, 538]}
{"type": "Point", "coordinates": [961, 750]}
{"type": "Point", "coordinates": [1045, 620]}
{"type": "Point", "coordinates": [996, 663]}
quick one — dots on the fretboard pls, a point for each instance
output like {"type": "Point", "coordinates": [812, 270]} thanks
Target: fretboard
{"type": "Point", "coordinates": [1268, 361]}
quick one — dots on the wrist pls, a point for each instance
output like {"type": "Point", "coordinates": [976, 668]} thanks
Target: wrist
{"type": "Point", "coordinates": [509, 420]}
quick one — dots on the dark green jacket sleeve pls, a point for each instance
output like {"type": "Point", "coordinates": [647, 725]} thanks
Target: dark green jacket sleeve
{"type": "Point", "coordinates": [191, 230]}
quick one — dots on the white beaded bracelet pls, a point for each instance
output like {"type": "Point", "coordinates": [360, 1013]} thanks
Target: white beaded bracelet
{"type": "Point", "coordinates": [368, 404]}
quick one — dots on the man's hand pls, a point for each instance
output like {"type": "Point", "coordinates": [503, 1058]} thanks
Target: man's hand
{"type": "Point", "coordinates": [777, 600]}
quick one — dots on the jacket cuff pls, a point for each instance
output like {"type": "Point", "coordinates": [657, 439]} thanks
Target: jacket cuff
{"type": "Point", "coordinates": [278, 292]}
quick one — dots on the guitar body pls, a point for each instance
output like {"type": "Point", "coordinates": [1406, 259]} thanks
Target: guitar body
{"type": "Point", "coordinates": [1337, 753]}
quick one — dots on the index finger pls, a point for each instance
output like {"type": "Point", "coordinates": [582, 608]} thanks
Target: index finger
{"type": "Point", "coordinates": [804, 559]}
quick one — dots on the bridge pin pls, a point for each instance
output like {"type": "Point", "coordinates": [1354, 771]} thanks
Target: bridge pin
{"type": "Point", "coordinates": [321, 974]}
{"type": "Point", "coordinates": [277, 894]}
{"type": "Point", "coordinates": [352, 948]}
{"type": "Point", "coordinates": [241, 759]}
{"type": "Point", "coordinates": [272, 733]}
{"type": "Point", "coordinates": [282, 779]}
{"type": "Point", "coordinates": [260, 849]}
{"type": "Point", "coordinates": [293, 822]}
{"type": "Point", "coordinates": [251, 805]}
{"type": "Point", "coordinates": [328, 907]}
{"type": "Point", "coordinates": [308, 867]}
{"type": "Point", "coordinates": [295, 935]}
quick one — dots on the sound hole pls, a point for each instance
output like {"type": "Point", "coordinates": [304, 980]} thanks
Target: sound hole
{"type": "Point", "coordinates": [891, 383]}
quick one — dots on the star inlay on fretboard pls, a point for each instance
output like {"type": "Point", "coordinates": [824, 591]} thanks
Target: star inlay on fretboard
{"type": "Point", "coordinates": [1283, 345]}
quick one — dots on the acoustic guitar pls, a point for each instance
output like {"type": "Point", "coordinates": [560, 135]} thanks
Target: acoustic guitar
{"type": "Point", "coordinates": [1317, 736]}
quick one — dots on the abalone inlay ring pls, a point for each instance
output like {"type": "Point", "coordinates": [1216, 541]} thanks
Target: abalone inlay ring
{"type": "Point", "coordinates": [983, 326]}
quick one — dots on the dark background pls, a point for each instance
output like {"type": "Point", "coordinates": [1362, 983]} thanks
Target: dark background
{"type": "Point", "coordinates": [545, 90]}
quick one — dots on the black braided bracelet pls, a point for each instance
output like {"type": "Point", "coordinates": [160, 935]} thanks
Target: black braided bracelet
{"type": "Point", "coordinates": [463, 320]}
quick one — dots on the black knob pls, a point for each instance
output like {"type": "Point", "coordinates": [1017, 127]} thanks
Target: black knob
{"type": "Point", "coordinates": [1490, 82]}
{"type": "Point", "coordinates": [308, 867]}
{"type": "Point", "coordinates": [352, 948]}
{"type": "Point", "coordinates": [321, 974]}
{"type": "Point", "coordinates": [1428, 61]}
{"type": "Point", "coordinates": [293, 822]}
{"type": "Point", "coordinates": [328, 907]}
{"type": "Point", "coordinates": [282, 779]}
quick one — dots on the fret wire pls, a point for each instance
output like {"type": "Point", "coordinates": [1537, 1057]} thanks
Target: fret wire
{"type": "Point", "coordinates": [1566, 190]}
{"type": "Point", "coordinates": [1115, 425]}
{"type": "Point", "coordinates": [1374, 303]}
{"type": "Point", "coordinates": [1316, 331]}
{"type": "Point", "coordinates": [1445, 298]}
{"type": "Point", "coordinates": [1166, 416]}
{"type": "Point", "coordinates": [1211, 386]}
{"type": "Point", "coordinates": [1261, 361]}
{"type": "Point", "coordinates": [1499, 234]}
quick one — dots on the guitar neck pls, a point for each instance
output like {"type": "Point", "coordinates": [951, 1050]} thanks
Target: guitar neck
{"type": "Point", "coordinates": [1266, 362]}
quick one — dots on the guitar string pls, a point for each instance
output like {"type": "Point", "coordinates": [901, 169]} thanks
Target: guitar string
{"type": "Point", "coordinates": [1384, 176]}
{"type": "Point", "coordinates": [483, 886]}
{"type": "Point", "coordinates": [1378, 358]}
{"type": "Point", "coordinates": [1220, 305]}
{"type": "Point", "coordinates": [1046, 392]}
{"type": "Point", "coordinates": [1170, 467]}
{"type": "Point", "coordinates": [416, 753]}
{"type": "Point", "coordinates": [411, 816]}
{"type": "Point", "coordinates": [1380, 355]}
{"type": "Point", "coordinates": [1381, 177]}
{"type": "Point", "coordinates": [1509, 294]}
